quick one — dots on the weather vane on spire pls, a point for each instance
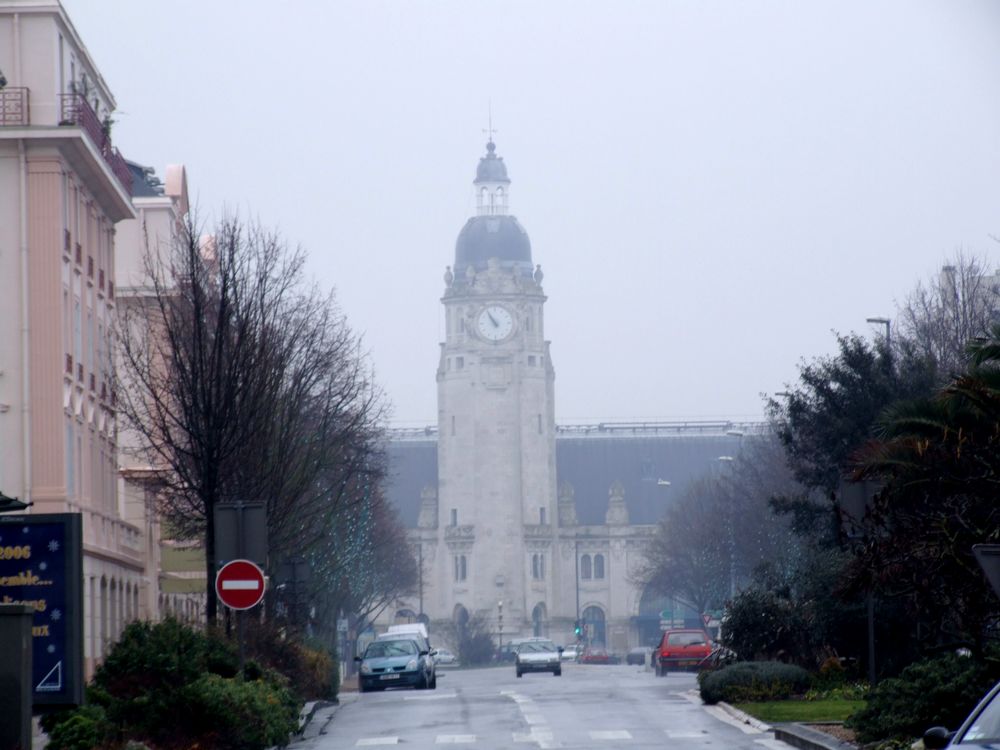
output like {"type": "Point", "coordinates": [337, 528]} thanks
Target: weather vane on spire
{"type": "Point", "coordinates": [490, 131]}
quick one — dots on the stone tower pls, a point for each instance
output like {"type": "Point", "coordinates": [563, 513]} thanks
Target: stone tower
{"type": "Point", "coordinates": [496, 446]}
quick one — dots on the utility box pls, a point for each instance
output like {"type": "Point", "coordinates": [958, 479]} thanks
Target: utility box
{"type": "Point", "coordinates": [15, 676]}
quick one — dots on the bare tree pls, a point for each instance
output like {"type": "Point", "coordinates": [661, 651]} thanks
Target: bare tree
{"type": "Point", "coordinates": [242, 384]}
{"type": "Point", "coordinates": [957, 306]}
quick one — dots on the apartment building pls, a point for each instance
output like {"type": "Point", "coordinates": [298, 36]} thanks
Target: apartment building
{"type": "Point", "coordinates": [65, 188]}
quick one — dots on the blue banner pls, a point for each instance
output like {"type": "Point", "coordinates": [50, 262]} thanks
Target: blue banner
{"type": "Point", "coordinates": [40, 565]}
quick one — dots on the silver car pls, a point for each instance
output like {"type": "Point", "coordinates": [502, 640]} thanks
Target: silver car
{"type": "Point", "coordinates": [538, 656]}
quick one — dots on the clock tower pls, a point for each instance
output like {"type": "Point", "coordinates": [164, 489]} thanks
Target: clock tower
{"type": "Point", "coordinates": [496, 424]}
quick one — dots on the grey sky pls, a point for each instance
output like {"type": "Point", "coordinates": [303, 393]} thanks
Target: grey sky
{"type": "Point", "coordinates": [710, 187]}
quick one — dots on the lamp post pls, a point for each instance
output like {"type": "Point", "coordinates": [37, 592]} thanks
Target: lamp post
{"type": "Point", "coordinates": [732, 539]}
{"type": "Point", "coordinates": [500, 626]}
{"type": "Point", "coordinates": [888, 329]}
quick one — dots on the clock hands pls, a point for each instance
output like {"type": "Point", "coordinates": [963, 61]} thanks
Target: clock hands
{"type": "Point", "coordinates": [492, 319]}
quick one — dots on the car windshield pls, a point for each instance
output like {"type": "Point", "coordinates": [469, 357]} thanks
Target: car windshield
{"type": "Point", "coordinates": [381, 649]}
{"type": "Point", "coordinates": [686, 639]}
{"type": "Point", "coordinates": [986, 728]}
{"type": "Point", "coordinates": [536, 646]}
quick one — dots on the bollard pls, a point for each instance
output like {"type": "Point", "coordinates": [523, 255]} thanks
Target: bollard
{"type": "Point", "coordinates": [15, 676]}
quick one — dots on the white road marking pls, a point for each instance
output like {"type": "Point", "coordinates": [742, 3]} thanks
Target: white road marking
{"type": "Point", "coordinates": [455, 739]}
{"type": "Point", "coordinates": [721, 715]}
{"type": "Point", "coordinates": [613, 734]}
{"type": "Point", "coordinates": [366, 741]}
{"type": "Point", "coordinates": [534, 718]}
{"type": "Point", "coordinates": [435, 697]}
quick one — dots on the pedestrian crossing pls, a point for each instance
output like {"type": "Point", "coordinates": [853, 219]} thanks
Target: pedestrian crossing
{"type": "Point", "coordinates": [546, 738]}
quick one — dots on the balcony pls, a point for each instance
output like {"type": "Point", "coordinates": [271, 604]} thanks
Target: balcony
{"type": "Point", "coordinates": [14, 109]}
{"type": "Point", "coordinates": [77, 111]}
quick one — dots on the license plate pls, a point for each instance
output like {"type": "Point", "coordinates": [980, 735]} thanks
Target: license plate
{"type": "Point", "coordinates": [389, 677]}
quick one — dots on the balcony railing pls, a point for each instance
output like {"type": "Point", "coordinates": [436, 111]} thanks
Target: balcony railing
{"type": "Point", "coordinates": [14, 108]}
{"type": "Point", "coordinates": [77, 111]}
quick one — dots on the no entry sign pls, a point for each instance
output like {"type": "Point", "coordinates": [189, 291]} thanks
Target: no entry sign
{"type": "Point", "coordinates": [239, 584]}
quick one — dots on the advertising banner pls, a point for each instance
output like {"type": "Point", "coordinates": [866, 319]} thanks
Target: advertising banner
{"type": "Point", "coordinates": [41, 565]}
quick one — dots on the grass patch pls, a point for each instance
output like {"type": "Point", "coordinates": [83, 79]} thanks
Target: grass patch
{"type": "Point", "coordinates": [799, 710]}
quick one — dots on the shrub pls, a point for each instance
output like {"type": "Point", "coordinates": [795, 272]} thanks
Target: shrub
{"type": "Point", "coordinates": [753, 681]}
{"type": "Point", "coordinates": [762, 625]}
{"type": "Point", "coordinates": [309, 667]}
{"type": "Point", "coordinates": [233, 714]}
{"type": "Point", "coordinates": [82, 729]}
{"type": "Point", "coordinates": [158, 673]}
{"type": "Point", "coordinates": [938, 691]}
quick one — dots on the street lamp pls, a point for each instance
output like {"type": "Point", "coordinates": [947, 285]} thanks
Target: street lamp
{"type": "Point", "coordinates": [732, 538]}
{"type": "Point", "coordinates": [500, 626]}
{"type": "Point", "coordinates": [888, 328]}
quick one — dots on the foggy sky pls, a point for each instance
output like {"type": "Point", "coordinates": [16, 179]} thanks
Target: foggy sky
{"type": "Point", "coordinates": [711, 188]}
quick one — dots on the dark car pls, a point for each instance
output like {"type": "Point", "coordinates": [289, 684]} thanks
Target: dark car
{"type": "Point", "coordinates": [682, 649]}
{"type": "Point", "coordinates": [980, 730]}
{"type": "Point", "coordinates": [638, 656]}
{"type": "Point", "coordinates": [395, 663]}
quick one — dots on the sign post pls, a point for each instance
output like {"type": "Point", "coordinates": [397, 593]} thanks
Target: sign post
{"type": "Point", "coordinates": [239, 584]}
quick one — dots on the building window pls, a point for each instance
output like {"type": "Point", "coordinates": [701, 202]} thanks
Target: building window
{"type": "Point", "coordinates": [531, 360]}
{"type": "Point", "coordinates": [540, 424]}
{"type": "Point", "coordinates": [585, 569]}
{"type": "Point", "coordinates": [598, 566]}
{"type": "Point", "coordinates": [453, 424]}
{"type": "Point", "coordinates": [538, 567]}
{"type": "Point", "coordinates": [459, 363]}
{"type": "Point", "coordinates": [454, 516]}
{"type": "Point", "coordinates": [541, 516]}
{"type": "Point", "coordinates": [461, 568]}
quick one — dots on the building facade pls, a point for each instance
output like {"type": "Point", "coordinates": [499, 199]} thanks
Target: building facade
{"type": "Point", "coordinates": [65, 189]}
{"type": "Point", "coordinates": [531, 526]}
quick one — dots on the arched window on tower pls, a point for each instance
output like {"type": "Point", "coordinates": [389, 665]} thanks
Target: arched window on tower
{"type": "Point", "coordinates": [598, 566]}
{"type": "Point", "coordinates": [484, 200]}
{"type": "Point", "coordinates": [585, 571]}
{"type": "Point", "coordinates": [501, 200]}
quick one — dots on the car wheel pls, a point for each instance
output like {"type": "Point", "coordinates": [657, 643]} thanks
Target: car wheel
{"type": "Point", "coordinates": [434, 682]}
{"type": "Point", "coordinates": [557, 672]}
{"type": "Point", "coordinates": [520, 673]}
{"type": "Point", "coordinates": [362, 688]}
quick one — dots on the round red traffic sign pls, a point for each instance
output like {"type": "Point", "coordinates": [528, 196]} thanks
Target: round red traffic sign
{"type": "Point", "coordinates": [239, 584]}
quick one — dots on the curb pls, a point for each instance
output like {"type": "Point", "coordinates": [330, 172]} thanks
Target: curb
{"type": "Point", "coordinates": [806, 738]}
{"type": "Point", "coordinates": [744, 717]}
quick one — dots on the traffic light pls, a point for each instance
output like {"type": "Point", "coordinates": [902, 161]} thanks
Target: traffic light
{"type": "Point", "coordinates": [577, 629]}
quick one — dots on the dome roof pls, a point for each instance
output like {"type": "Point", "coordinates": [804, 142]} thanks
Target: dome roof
{"type": "Point", "coordinates": [485, 237]}
{"type": "Point", "coordinates": [491, 167]}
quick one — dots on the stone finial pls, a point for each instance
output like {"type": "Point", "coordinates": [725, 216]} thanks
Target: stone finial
{"type": "Point", "coordinates": [617, 514]}
{"type": "Point", "coordinates": [538, 274]}
{"type": "Point", "coordinates": [567, 505]}
{"type": "Point", "coordinates": [428, 518]}
{"type": "Point", "coordinates": [448, 276]}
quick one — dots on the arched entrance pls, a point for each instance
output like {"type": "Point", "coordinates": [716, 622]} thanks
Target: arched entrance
{"type": "Point", "coordinates": [460, 616]}
{"type": "Point", "coordinates": [593, 626]}
{"type": "Point", "coordinates": [655, 607]}
{"type": "Point", "coordinates": [405, 616]}
{"type": "Point", "coordinates": [539, 621]}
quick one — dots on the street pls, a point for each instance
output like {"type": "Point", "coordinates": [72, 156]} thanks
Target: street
{"type": "Point", "coordinates": [589, 706]}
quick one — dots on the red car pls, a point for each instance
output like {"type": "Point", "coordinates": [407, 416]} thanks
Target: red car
{"type": "Point", "coordinates": [595, 656]}
{"type": "Point", "coordinates": [682, 649]}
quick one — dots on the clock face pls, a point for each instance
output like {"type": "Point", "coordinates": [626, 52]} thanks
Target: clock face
{"type": "Point", "coordinates": [495, 323]}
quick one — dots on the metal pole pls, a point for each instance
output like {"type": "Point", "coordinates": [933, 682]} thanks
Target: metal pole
{"type": "Point", "coordinates": [420, 565]}
{"type": "Point", "coordinates": [871, 639]}
{"type": "Point", "coordinates": [577, 549]}
{"type": "Point", "coordinates": [239, 629]}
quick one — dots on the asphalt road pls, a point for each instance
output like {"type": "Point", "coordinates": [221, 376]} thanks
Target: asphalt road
{"type": "Point", "coordinates": [589, 706]}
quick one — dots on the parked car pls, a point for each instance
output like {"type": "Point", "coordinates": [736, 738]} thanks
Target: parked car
{"type": "Point", "coordinates": [682, 649]}
{"type": "Point", "coordinates": [981, 729]}
{"type": "Point", "coordinates": [538, 656]}
{"type": "Point", "coordinates": [595, 656]}
{"type": "Point", "coordinates": [395, 663]}
{"type": "Point", "coordinates": [443, 656]}
{"type": "Point", "coordinates": [638, 655]}
{"type": "Point", "coordinates": [571, 653]}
